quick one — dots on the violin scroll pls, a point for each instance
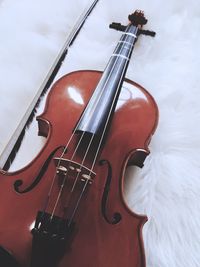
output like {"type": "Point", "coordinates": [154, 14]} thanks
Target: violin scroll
{"type": "Point", "coordinates": [137, 19]}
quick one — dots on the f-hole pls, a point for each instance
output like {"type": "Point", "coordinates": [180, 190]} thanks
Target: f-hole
{"type": "Point", "coordinates": [116, 218]}
{"type": "Point", "coordinates": [18, 183]}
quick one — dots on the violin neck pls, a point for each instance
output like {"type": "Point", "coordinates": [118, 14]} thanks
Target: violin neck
{"type": "Point", "coordinates": [98, 113]}
{"type": "Point", "coordinates": [124, 47]}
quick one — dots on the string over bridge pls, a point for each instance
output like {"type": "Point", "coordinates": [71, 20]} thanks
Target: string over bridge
{"type": "Point", "coordinates": [72, 168]}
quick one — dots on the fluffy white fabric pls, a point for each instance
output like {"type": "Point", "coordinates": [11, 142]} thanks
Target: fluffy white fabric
{"type": "Point", "coordinates": [167, 189]}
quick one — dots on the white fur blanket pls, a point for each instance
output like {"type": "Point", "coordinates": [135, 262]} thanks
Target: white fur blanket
{"type": "Point", "coordinates": [167, 189]}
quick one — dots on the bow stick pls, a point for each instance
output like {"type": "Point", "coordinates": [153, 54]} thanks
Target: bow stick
{"type": "Point", "coordinates": [12, 147]}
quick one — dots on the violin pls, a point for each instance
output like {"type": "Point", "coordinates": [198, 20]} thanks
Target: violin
{"type": "Point", "coordinates": [66, 208]}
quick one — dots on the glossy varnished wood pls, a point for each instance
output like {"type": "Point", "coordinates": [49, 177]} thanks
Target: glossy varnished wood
{"type": "Point", "coordinates": [96, 242]}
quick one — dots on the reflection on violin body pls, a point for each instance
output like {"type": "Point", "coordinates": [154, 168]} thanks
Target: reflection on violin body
{"type": "Point", "coordinates": [67, 207]}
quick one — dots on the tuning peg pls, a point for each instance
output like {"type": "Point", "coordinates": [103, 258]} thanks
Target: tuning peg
{"type": "Point", "coordinates": [120, 27]}
{"type": "Point", "coordinates": [147, 32]}
{"type": "Point", "coordinates": [117, 26]}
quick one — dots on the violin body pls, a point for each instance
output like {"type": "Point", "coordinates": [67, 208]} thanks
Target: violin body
{"type": "Point", "coordinates": [106, 232]}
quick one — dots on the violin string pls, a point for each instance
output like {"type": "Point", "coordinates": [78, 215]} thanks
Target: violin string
{"type": "Point", "coordinates": [82, 162]}
{"type": "Point", "coordinates": [55, 174]}
{"type": "Point", "coordinates": [64, 181]}
{"type": "Point", "coordinates": [109, 115]}
{"type": "Point", "coordinates": [96, 102]}
{"type": "Point", "coordinates": [76, 179]}
{"type": "Point", "coordinates": [77, 204]}
{"type": "Point", "coordinates": [58, 164]}
{"type": "Point", "coordinates": [100, 143]}
{"type": "Point", "coordinates": [91, 169]}
{"type": "Point", "coordinates": [62, 156]}
{"type": "Point", "coordinates": [65, 176]}
{"type": "Point", "coordinates": [66, 147]}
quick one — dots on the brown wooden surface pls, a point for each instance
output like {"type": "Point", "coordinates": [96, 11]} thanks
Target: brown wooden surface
{"type": "Point", "coordinates": [96, 243]}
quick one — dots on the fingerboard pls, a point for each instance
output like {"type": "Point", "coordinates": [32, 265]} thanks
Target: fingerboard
{"type": "Point", "coordinates": [98, 113]}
